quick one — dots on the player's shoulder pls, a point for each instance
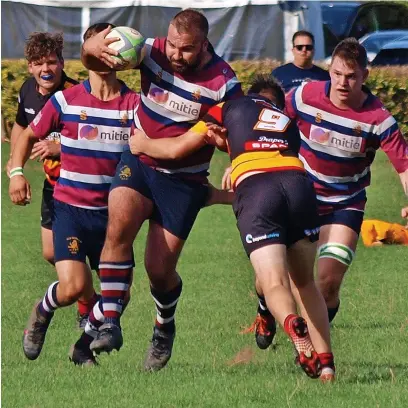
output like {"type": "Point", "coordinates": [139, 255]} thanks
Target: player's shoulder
{"type": "Point", "coordinates": [68, 82]}
{"type": "Point", "coordinates": [28, 88]}
{"type": "Point", "coordinates": [375, 111]}
{"type": "Point", "coordinates": [312, 91]}
{"type": "Point", "coordinates": [282, 68]}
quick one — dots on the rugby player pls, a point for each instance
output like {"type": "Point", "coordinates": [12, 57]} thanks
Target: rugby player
{"type": "Point", "coordinates": [275, 206]}
{"type": "Point", "coordinates": [43, 52]}
{"type": "Point", "coordinates": [342, 124]}
{"type": "Point", "coordinates": [181, 78]}
{"type": "Point", "coordinates": [95, 119]}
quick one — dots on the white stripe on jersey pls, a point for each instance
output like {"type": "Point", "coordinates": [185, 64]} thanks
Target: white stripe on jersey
{"type": "Point", "coordinates": [192, 169]}
{"type": "Point", "coordinates": [178, 82]}
{"type": "Point", "coordinates": [93, 145]}
{"type": "Point", "coordinates": [337, 199]}
{"type": "Point", "coordinates": [332, 151]}
{"type": "Point", "coordinates": [59, 96]}
{"type": "Point", "coordinates": [85, 178]}
{"type": "Point", "coordinates": [161, 110]}
{"type": "Point", "coordinates": [385, 125]}
{"type": "Point", "coordinates": [96, 112]}
{"type": "Point", "coordinates": [332, 179]}
{"type": "Point", "coordinates": [339, 120]}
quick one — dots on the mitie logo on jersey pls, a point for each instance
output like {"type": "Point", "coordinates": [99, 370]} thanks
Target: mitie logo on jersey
{"type": "Point", "coordinates": [175, 103]}
{"type": "Point", "coordinates": [331, 138]}
{"type": "Point", "coordinates": [104, 134]}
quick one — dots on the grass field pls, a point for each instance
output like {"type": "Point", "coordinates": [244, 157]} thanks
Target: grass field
{"type": "Point", "coordinates": [213, 365]}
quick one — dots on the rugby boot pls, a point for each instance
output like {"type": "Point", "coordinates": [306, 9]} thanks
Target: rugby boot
{"type": "Point", "coordinates": [34, 333]}
{"type": "Point", "coordinates": [82, 320]}
{"type": "Point", "coordinates": [327, 375]}
{"type": "Point", "coordinates": [264, 328]}
{"type": "Point", "coordinates": [308, 359]}
{"type": "Point", "coordinates": [109, 338]}
{"type": "Point", "coordinates": [81, 354]}
{"type": "Point", "coordinates": [160, 349]}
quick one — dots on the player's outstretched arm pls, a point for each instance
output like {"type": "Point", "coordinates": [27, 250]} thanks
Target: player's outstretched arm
{"type": "Point", "coordinates": [19, 188]}
{"type": "Point", "coordinates": [167, 148]}
{"type": "Point", "coordinates": [95, 53]}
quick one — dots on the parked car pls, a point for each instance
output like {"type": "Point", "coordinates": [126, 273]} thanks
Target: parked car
{"type": "Point", "coordinates": [342, 19]}
{"type": "Point", "coordinates": [393, 53]}
{"type": "Point", "coordinates": [374, 42]}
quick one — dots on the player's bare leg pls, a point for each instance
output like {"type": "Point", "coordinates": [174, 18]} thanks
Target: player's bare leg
{"type": "Point", "coordinates": [271, 270]}
{"type": "Point", "coordinates": [301, 257]}
{"type": "Point", "coordinates": [128, 209]}
{"type": "Point", "coordinates": [337, 244]}
{"type": "Point", "coordinates": [162, 253]}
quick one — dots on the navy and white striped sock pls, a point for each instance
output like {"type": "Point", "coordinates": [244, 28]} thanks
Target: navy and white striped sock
{"type": "Point", "coordinates": [166, 304]}
{"type": "Point", "coordinates": [49, 303]}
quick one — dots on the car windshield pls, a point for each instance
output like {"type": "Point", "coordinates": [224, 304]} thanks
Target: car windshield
{"type": "Point", "coordinates": [336, 16]}
{"type": "Point", "coordinates": [374, 43]}
{"type": "Point", "coordinates": [398, 56]}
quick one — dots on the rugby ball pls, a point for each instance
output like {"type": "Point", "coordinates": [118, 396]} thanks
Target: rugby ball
{"type": "Point", "coordinates": [130, 47]}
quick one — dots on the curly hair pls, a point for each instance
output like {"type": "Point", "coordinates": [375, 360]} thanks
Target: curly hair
{"type": "Point", "coordinates": [264, 82]}
{"type": "Point", "coordinates": [40, 45]}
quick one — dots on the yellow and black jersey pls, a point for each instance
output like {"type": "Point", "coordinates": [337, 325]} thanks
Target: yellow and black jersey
{"type": "Point", "coordinates": [30, 102]}
{"type": "Point", "coordinates": [261, 137]}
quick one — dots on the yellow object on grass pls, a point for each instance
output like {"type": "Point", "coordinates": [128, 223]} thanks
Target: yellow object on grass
{"type": "Point", "coordinates": [376, 232]}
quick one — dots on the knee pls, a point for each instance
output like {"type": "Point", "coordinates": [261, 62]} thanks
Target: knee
{"type": "Point", "coordinates": [329, 285]}
{"type": "Point", "coordinates": [70, 292]}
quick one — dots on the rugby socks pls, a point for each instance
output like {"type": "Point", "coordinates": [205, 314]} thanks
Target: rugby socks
{"type": "Point", "coordinates": [332, 311]}
{"type": "Point", "coordinates": [262, 308]}
{"type": "Point", "coordinates": [115, 278]}
{"type": "Point", "coordinates": [95, 321]}
{"type": "Point", "coordinates": [327, 360]}
{"type": "Point", "coordinates": [166, 303]}
{"type": "Point", "coordinates": [49, 303]}
{"type": "Point", "coordinates": [85, 307]}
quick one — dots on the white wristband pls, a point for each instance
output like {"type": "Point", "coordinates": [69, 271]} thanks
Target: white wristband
{"type": "Point", "coordinates": [16, 174]}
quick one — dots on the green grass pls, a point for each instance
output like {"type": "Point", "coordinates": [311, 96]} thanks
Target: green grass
{"type": "Point", "coordinates": [369, 334]}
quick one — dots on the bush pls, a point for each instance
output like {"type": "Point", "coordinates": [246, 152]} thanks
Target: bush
{"type": "Point", "coordinates": [389, 84]}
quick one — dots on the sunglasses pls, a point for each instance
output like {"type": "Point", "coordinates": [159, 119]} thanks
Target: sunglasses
{"type": "Point", "coordinates": [308, 47]}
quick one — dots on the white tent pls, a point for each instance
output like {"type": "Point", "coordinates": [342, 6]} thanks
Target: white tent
{"type": "Point", "coordinates": [239, 29]}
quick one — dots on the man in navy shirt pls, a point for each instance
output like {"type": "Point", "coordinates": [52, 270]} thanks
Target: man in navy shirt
{"type": "Point", "coordinates": [302, 68]}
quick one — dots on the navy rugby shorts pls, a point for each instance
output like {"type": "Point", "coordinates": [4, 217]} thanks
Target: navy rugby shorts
{"type": "Point", "coordinates": [277, 207]}
{"type": "Point", "coordinates": [78, 233]}
{"type": "Point", "coordinates": [176, 201]}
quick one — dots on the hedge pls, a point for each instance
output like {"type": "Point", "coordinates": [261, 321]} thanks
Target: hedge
{"type": "Point", "coordinates": [389, 84]}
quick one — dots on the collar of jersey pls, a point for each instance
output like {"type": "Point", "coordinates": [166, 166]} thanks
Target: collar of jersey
{"type": "Point", "coordinates": [123, 87]}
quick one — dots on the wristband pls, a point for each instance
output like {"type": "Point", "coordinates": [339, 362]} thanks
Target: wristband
{"type": "Point", "coordinates": [17, 171]}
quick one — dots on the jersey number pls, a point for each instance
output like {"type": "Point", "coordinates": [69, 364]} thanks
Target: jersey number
{"type": "Point", "coordinates": [271, 121]}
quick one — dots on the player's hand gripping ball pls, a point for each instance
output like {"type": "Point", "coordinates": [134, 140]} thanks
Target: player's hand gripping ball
{"type": "Point", "coordinates": [130, 47]}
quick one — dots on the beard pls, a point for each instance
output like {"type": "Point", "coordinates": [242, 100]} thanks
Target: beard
{"type": "Point", "coordinates": [184, 67]}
